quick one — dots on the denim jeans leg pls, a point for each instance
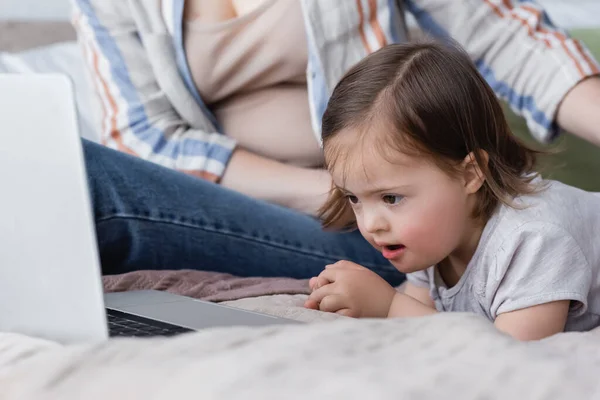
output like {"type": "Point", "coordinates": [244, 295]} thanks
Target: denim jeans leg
{"type": "Point", "coordinates": [151, 217]}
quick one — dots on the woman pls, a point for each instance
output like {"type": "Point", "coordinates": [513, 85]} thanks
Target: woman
{"type": "Point", "coordinates": [228, 96]}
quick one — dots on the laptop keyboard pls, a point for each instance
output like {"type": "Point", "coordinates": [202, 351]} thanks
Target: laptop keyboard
{"type": "Point", "coordinates": [128, 325]}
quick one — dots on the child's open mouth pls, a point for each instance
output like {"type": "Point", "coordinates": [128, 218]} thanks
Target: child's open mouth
{"type": "Point", "coordinates": [392, 251]}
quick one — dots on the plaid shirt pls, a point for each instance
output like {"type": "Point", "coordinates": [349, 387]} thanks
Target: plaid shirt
{"type": "Point", "coordinates": [151, 108]}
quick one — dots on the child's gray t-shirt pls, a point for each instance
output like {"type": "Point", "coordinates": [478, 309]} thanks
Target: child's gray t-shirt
{"type": "Point", "coordinates": [545, 252]}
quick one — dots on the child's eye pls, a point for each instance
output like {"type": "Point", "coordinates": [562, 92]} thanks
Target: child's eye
{"type": "Point", "coordinates": [352, 199]}
{"type": "Point", "coordinates": [392, 199]}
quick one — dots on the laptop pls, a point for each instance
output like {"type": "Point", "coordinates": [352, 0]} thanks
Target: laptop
{"type": "Point", "coordinates": [50, 275]}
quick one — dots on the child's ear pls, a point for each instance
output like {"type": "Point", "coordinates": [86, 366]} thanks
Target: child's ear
{"type": "Point", "coordinates": [473, 172]}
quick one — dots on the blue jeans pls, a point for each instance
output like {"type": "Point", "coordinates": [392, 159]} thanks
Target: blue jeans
{"type": "Point", "coordinates": [151, 217]}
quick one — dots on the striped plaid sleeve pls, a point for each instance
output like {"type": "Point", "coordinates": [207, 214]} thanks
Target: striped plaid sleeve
{"type": "Point", "coordinates": [529, 62]}
{"type": "Point", "coordinates": [137, 117]}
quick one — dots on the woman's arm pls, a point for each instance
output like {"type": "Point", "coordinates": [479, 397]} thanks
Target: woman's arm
{"type": "Point", "coordinates": [529, 62]}
{"type": "Point", "coordinates": [579, 113]}
{"type": "Point", "coordinates": [138, 117]}
{"type": "Point", "coordinates": [294, 187]}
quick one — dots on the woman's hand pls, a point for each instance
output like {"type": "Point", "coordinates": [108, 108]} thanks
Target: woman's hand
{"type": "Point", "coordinates": [302, 189]}
{"type": "Point", "coordinates": [349, 289]}
{"type": "Point", "coordinates": [310, 196]}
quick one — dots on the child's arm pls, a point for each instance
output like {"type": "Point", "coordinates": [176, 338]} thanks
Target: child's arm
{"type": "Point", "coordinates": [418, 293]}
{"type": "Point", "coordinates": [535, 322]}
{"type": "Point", "coordinates": [349, 289]}
{"type": "Point", "coordinates": [541, 279]}
{"type": "Point", "coordinates": [404, 305]}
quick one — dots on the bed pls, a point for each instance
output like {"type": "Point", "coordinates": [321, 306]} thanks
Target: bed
{"type": "Point", "coordinates": [449, 355]}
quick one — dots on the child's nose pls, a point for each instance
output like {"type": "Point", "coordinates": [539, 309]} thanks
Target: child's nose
{"type": "Point", "coordinates": [373, 221]}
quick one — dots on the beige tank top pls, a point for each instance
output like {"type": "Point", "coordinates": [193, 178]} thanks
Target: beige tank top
{"type": "Point", "coordinates": [251, 72]}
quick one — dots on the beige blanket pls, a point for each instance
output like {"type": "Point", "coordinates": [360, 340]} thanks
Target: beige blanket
{"type": "Point", "coordinates": [451, 355]}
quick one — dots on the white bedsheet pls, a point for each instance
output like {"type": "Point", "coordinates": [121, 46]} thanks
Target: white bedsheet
{"type": "Point", "coordinates": [450, 355]}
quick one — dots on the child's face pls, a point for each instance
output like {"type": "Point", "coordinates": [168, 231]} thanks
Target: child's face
{"type": "Point", "coordinates": [410, 210]}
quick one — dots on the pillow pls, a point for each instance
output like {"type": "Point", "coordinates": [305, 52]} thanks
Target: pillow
{"type": "Point", "coordinates": [63, 58]}
{"type": "Point", "coordinates": [25, 35]}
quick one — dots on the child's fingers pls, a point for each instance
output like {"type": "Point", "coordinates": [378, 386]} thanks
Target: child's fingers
{"type": "Point", "coordinates": [346, 312]}
{"type": "Point", "coordinates": [344, 265]}
{"type": "Point", "coordinates": [329, 275]}
{"type": "Point", "coordinates": [318, 281]}
{"type": "Point", "coordinates": [318, 294]}
{"type": "Point", "coordinates": [339, 264]}
{"type": "Point", "coordinates": [322, 281]}
{"type": "Point", "coordinates": [311, 304]}
{"type": "Point", "coordinates": [333, 303]}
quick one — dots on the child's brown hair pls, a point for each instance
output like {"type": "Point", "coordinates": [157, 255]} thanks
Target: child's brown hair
{"type": "Point", "coordinates": [438, 106]}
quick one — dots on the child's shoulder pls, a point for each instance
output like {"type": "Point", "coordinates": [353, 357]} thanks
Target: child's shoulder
{"type": "Point", "coordinates": [556, 215]}
{"type": "Point", "coordinates": [556, 204]}
{"type": "Point", "coordinates": [544, 250]}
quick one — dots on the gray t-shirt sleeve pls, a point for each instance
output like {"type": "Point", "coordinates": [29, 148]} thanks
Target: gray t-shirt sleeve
{"type": "Point", "coordinates": [540, 263]}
